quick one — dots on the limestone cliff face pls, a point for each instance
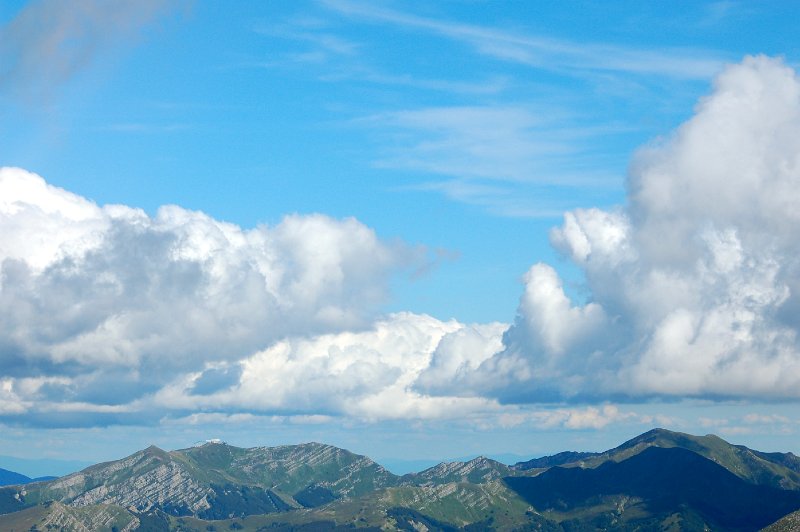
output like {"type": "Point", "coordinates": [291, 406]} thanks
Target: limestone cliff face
{"type": "Point", "coordinates": [146, 479]}
{"type": "Point", "coordinates": [166, 484]}
{"type": "Point", "coordinates": [58, 516]}
{"type": "Point", "coordinates": [62, 517]}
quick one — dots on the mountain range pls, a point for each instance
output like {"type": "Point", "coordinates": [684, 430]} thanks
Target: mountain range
{"type": "Point", "coordinates": [8, 478]}
{"type": "Point", "coordinates": [660, 480]}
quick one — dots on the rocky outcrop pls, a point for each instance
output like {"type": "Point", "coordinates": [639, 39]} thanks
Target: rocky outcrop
{"type": "Point", "coordinates": [147, 479]}
{"type": "Point", "coordinates": [62, 517]}
{"type": "Point", "coordinates": [478, 470]}
{"type": "Point", "coordinates": [168, 485]}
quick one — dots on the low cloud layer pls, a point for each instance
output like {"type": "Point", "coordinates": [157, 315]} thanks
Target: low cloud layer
{"type": "Point", "coordinates": [109, 315]}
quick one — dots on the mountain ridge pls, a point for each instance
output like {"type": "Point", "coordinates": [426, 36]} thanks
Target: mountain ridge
{"type": "Point", "coordinates": [662, 478]}
{"type": "Point", "coordinates": [293, 487]}
{"type": "Point", "coordinates": [780, 470]}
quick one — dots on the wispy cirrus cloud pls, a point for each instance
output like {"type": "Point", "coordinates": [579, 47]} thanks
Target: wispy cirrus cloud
{"type": "Point", "coordinates": [524, 144]}
{"type": "Point", "coordinates": [515, 146]}
{"type": "Point", "coordinates": [480, 87]}
{"type": "Point", "coordinates": [511, 160]}
{"type": "Point", "coordinates": [495, 142]}
{"type": "Point", "coordinates": [346, 60]}
{"type": "Point", "coordinates": [544, 52]}
{"type": "Point", "coordinates": [500, 199]}
{"type": "Point", "coordinates": [321, 44]}
{"type": "Point", "coordinates": [144, 128]}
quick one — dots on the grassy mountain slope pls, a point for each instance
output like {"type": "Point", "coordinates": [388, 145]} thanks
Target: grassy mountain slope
{"type": "Point", "coordinates": [658, 481]}
{"type": "Point", "coordinates": [770, 469]}
{"type": "Point", "coordinates": [288, 469]}
{"type": "Point", "coordinates": [460, 503]}
{"type": "Point", "coordinates": [449, 506]}
{"type": "Point", "coordinates": [456, 503]}
{"type": "Point", "coordinates": [755, 467]}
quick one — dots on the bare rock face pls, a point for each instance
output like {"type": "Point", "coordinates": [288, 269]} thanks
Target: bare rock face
{"type": "Point", "coordinates": [62, 517]}
{"type": "Point", "coordinates": [57, 516]}
{"type": "Point", "coordinates": [478, 470]}
{"type": "Point", "coordinates": [167, 484]}
{"type": "Point", "coordinates": [146, 479]}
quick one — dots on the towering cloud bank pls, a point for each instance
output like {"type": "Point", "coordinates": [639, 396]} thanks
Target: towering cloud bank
{"type": "Point", "coordinates": [694, 290]}
{"type": "Point", "coordinates": [694, 285]}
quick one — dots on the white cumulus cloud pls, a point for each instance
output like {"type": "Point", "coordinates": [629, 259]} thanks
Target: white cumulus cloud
{"type": "Point", "coordinates": [109, 294]}
{"type": "Point", "coordinates": [111, 315]}
{"type": "Point", "coordinates": [366, 375]}
{"type": "Point", "coordinates": [694, 285]}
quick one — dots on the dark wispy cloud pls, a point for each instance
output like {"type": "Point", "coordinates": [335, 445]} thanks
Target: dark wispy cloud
{"type": "Point", "coordinates": [48, 41]}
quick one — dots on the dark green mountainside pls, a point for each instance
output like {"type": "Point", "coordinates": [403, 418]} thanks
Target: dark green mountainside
{"type": "Point", "coordinates": [10, 477]}
{"type": "Point", "coordinates": [565, 457]}
{"type": "Point", "coordinates": [789, 523]}
{"type": "Point", "coordinates": [770, 469]}
{"type": "Point", "coordinates": [660, 480]}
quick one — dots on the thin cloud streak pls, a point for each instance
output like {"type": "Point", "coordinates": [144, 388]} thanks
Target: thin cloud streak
{"type": "Point", "coordinates": [328, 43]}
{"type": "Point", "coordinates": [497, 199]}
{"type": "Point", "coordinates": [506, 159]}
{"type": "Point", "coordinates": [493, 85]}
{"type": "Point", "coordinates": [548, 53]}
{"type": "Point", "coordinates": [344, 59]}
{"type": "Point", "coordinates": [143, 128]}
{"type": "Point", "coordinates": [497, 140]}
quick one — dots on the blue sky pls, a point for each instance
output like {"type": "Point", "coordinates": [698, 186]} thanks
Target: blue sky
{"type": "Point", "coordinates": [368, 195]}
